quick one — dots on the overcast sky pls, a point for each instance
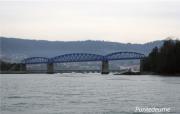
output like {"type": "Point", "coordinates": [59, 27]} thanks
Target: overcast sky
{"type": "Point", "coordinates": [135, 21]}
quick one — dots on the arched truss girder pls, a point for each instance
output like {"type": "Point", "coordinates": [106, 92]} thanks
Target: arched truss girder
{"type": "Point", "coordinates": [124, 56]}
{"type": "Point", "coordinates": [77, 57]}
{"type": "Point", "coordinates": [35, 60]}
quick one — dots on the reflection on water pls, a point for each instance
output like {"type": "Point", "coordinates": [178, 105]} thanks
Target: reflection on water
{"type": "Point", "coordinates": [86, 93]}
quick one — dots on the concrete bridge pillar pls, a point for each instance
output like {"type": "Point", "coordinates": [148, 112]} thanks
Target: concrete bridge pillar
{"type": "Point", "coordinates": [50, 68]}
{"type": "Point", "coordinates": [105, 67]}
{"type": "Point", "coordinates": [141, 65]}
{"type": "Point", "coordinates": [23, 67]}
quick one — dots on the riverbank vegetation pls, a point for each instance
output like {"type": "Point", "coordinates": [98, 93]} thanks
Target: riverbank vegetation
{"type": "Point", "coordinates": [7, 66]}
{"type": "Point", "coordinates": [164, 60]}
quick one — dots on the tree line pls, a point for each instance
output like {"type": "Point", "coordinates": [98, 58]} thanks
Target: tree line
{"type": "Point", "coordinates": [6, 66]}
{"type": "Point", "coordinates": [165, 59]}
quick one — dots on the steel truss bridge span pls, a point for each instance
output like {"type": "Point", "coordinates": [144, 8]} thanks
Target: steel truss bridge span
{"type": "Point", "coordinates": [83, 57]}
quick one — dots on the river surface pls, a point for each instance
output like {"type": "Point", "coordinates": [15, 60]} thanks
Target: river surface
{"type": "Point", "coordinates": [75, 93]}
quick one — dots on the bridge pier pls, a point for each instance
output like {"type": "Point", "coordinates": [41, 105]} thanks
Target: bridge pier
{"type": "Point", "coordinates": [50, 68]}
{"type": "Point", "coordinates": [141, 65]}
{"type": "Point", "coordinates": [23, 67]}
{"type": "Point", "coordinates": [105, 67]}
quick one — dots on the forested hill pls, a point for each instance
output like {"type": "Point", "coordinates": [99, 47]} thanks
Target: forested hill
{"type": "Point", "coordinates": [164, 60]}
{"type": "Point", "coordinates": [20, 48]}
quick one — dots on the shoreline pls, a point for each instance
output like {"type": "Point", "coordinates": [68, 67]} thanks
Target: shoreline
{"type": "Point", "coordinates": [126, 73]}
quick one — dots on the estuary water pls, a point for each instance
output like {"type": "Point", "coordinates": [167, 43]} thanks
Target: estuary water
{"type": "Point", "coordinates": [75, 93]}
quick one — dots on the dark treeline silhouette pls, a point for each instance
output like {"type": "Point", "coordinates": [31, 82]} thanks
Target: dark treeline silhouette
{"type": "Point", "coordinates": [6, 66]}
{"type": "Point", "coordinates": [164, 60]}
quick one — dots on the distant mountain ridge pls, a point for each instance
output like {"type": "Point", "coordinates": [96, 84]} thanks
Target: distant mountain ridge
{"type": "Point", "coordinates": [21, 48]}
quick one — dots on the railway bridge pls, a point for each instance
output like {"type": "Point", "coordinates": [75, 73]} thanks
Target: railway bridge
{"type": "Point", "coordinates": [82, 57]}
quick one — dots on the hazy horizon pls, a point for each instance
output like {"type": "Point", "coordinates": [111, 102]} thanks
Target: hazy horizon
{"type": "Point", "coordinates": [125, 21]}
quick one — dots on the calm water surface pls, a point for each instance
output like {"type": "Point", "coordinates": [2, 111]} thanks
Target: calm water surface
{"type": "Point", "coordinates": [86, 93]}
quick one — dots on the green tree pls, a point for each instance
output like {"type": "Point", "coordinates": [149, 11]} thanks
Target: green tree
{"type": "Point", "coordinates": [164, 60]}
